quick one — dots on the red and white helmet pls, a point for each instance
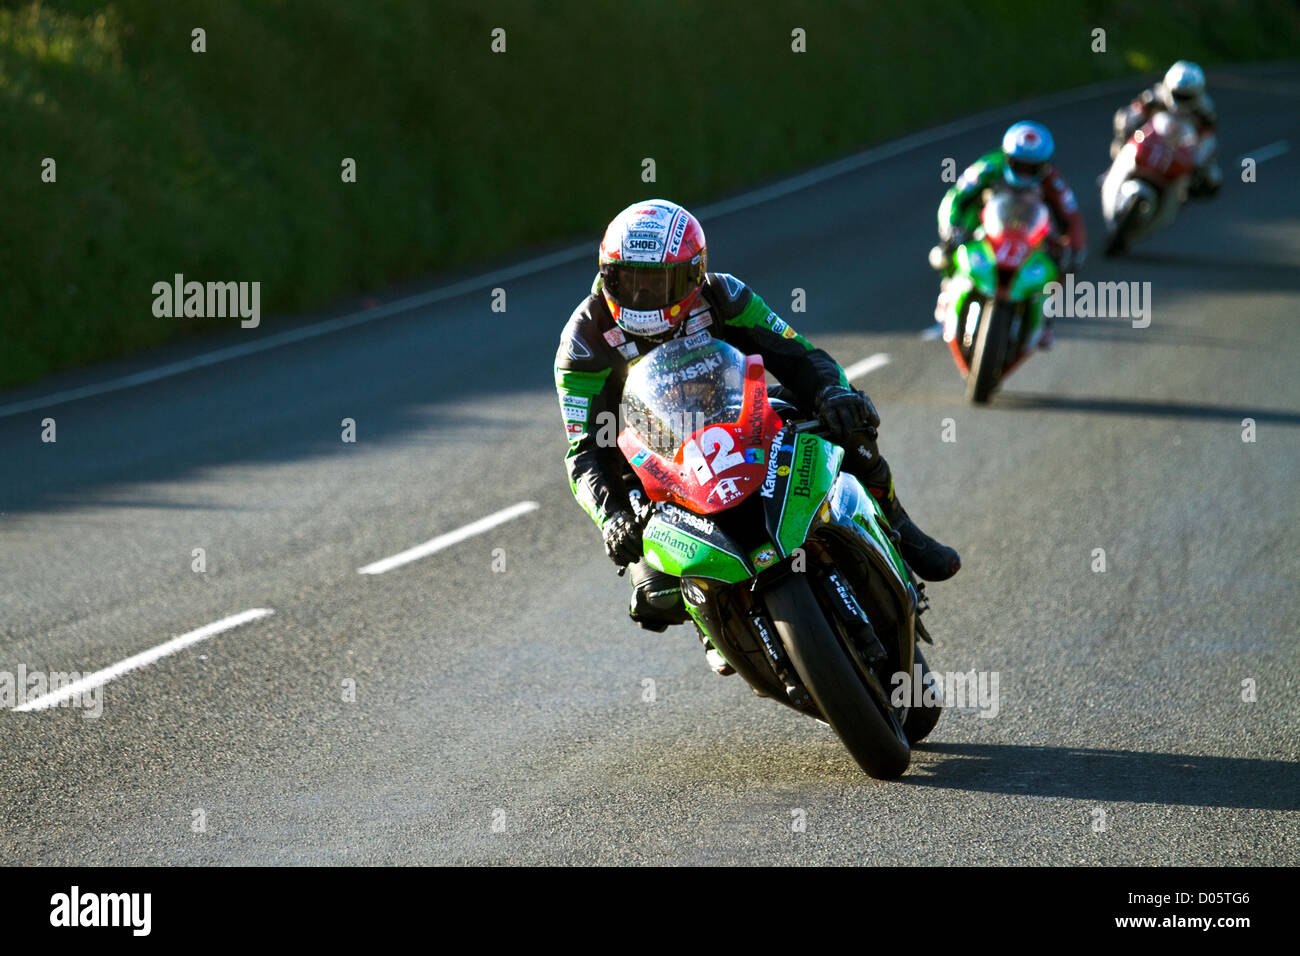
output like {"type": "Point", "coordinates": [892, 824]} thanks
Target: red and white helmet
{"type": "Point", "coordinates": [652, 264]}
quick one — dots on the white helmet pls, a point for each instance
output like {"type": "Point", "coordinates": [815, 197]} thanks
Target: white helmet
{"type": "Point", "coordinates": [1183, 86]}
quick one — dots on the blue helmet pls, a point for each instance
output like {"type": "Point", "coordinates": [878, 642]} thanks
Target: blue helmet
{"type": "Point", "coordinates": [1027, 147]}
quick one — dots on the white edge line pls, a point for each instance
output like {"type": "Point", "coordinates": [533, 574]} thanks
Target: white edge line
{"type": "Point", "coordinates": [866, 365]}
{"type": "Point", "coordinates": [293, 335]}
{"type": "Point", "coordinates": [1265, 153]}
{"type": "Point", "coordinates": [529, 267]}
{"type": "Point", "coordinates": [933, 332]}
{"type": "Point", "coordinates": [897, 147]}
{"type": "Point", "coordinates": [448, 539]}
{"type": "Point", "coordinates": [142, 659]}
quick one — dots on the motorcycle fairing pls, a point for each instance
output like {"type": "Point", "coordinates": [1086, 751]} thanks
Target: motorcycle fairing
{"type": "Point", "coordinates": [719, 465]}
{"type": "Point", "coordinates": [681, 543]}
{"type": "Point", "coordinates": [810, 465]}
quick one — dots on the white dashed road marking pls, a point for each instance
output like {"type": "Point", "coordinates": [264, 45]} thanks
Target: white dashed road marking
{"type": "Point", "coordinates": [866, 366]}
{"type": "Point", "coordinates": [143, 659]}
{"type": "Point", "coordinates": [448, 539]}
{"type": "Point", "coordinates": [1265, 153]}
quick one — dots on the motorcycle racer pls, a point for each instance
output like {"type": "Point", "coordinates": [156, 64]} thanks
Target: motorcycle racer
{"type": "Point", "coordinates": [1023, 162]}
{"type": "Point", "coordinates": [652, 286]}
{"type": "Point", "coordinates": [1182, 93]}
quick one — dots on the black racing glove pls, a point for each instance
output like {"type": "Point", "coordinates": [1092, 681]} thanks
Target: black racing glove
{"type": "Point", "coordinates": [622, 539]}
{"type": "Point", "coordinates": [845, 411]}
{"type": "Point", "coordinates": [1067, 258]}
{"type": "Point", "coordinates": [941, 255]}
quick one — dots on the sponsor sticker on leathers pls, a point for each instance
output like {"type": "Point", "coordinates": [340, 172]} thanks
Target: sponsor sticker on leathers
{"type": "Point", "coordinates": [697, 322]}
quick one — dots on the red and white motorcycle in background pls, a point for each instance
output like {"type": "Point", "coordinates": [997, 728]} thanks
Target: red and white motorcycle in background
{"type": "Point", "coordinates": [1149, 179]}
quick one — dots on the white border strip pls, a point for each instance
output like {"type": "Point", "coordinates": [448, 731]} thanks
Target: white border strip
{"type": "Point", "coordinates": [143, 659]}
{"type": "Point", "coordinates": [450, 538]}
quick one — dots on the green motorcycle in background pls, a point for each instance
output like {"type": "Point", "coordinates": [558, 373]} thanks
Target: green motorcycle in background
{"type": "Point", "coordinates": [787, 564]}
{"type": "Point", "coordinates": [991, 306]}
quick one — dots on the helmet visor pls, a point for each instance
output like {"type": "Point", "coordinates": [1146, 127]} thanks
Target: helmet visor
{"type": "Point", "coordinates": [1025, 172]}
{"type": "Point", "coordinates": [645, 286]}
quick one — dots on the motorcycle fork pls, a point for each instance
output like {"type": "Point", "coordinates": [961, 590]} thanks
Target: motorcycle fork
{"type": "Point", "coordinates": [849, 612]}
{"type": "Point", "coordinates": [859, 634]}
{"type": "Point", "coordinates": [1024, 324]}
{"type": "Point", "coordinates": [761, 626]}
{"type": "Point", "coordinates": [839, 598]}
{"type": "Point", "coordinates": [749, 635]}
{"type": "Point", "coordinates": [718, 630]}
{"type": "Point", "coordinates": [965, 327]}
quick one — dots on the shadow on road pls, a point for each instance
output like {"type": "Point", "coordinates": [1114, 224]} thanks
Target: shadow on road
{"type": "Point", "coordinates": [1115, 775]}
{"type": "Point", "coordinates": [1219, 272]}
{"type": "Point", "coordinates": [1149, 408]}
{"type": "Point", "coordinates": [1121, 330]}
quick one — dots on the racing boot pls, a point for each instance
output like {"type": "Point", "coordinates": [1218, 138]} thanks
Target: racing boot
{"type": "Point", "coordinates": [931, 560]}
{"type": "Point", "coordinates": [656, 601]}
{"type": "Point", "coordinates": [716, 660]}
{"type": "Point", "coordinates": [862, 459]}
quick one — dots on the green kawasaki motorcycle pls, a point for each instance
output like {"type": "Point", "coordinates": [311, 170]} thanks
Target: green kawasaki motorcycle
{"type": "Point", "coordinates": [992, 306]}
{"type": "Point", "coordinates": [787, 564]}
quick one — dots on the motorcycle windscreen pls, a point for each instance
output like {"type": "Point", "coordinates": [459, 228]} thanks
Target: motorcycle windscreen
{"type": "Point", "coordinates": [1015, 223]}
{"type": "Point", "coordinates": [683, 386]}
{"type": "Point", "coordinates": [698, 423]}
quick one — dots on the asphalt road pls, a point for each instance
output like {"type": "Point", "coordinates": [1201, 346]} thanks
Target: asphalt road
{"type": "Point", "coordinates": [501, 716]}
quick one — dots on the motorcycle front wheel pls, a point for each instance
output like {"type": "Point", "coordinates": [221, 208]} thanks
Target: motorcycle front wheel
{"type": "Point", "coordinates": [989, 355]}
{"type": "Point", "coordinates": [875, 740]}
